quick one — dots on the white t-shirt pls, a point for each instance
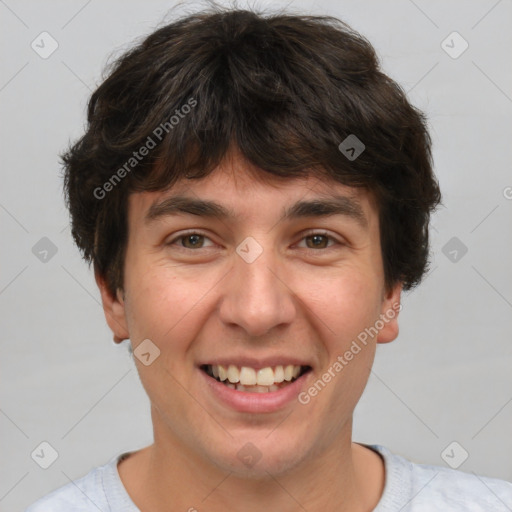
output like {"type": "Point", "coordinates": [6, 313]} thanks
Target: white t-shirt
{"type": "Point", "coordinates": [409, 487]}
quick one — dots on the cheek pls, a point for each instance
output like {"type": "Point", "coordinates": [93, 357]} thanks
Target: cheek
{"type": "Point", "coordinates": [343, 303]}
{"type": "Point", "coordinates": [164, 309]}
{"type": "Point", "coordinates": [169, 305]}
{"type": "Point", "coordinates": [343, 309]}
{"type": "Point", "coordinates": [160, 306]}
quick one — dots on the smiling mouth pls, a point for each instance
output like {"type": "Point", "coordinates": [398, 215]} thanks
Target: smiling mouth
{"type": "Point", "coordinates": [251, 380]}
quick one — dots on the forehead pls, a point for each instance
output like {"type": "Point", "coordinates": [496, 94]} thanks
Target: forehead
{"type": "Point", "coordinates": [236, 190]}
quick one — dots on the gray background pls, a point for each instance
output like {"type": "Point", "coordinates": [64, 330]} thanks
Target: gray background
{"type": "Point", "coordinates": [448, 375]}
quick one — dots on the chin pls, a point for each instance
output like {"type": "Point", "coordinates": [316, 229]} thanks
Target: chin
{"type": "Point", "coordinates": [260, 455]}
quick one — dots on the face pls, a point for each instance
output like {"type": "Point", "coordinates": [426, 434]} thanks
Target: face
{"type": "Point", "coordinates": [262, 313]}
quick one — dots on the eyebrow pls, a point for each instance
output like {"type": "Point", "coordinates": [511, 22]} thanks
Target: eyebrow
{"type": "Point", "coordinates": [337, 205]}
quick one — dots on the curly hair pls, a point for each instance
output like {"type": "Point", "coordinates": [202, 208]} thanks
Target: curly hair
{"type": "Point", "coordinates": [285, 90]}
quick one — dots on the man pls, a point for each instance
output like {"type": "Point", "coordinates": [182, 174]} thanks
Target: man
{"type": "Point", "coordinates": [255, 194]}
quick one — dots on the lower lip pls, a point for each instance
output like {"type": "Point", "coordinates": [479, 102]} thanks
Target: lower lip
{"type": "Point", "coordinates": [243, 401]}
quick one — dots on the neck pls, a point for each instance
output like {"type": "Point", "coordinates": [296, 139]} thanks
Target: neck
{"type": "Point", "coordinates": [168, 475]}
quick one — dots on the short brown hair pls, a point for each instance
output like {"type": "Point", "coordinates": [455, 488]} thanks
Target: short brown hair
{"type": "Point", "coordinates": [285, 90]}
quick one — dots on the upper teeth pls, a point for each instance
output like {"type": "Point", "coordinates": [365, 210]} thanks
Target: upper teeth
{"type": "Point", "coordinates": [249, 376]}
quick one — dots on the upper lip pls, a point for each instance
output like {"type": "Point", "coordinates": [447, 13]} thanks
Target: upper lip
{"type": "Point", "coordinates": [256, 362]}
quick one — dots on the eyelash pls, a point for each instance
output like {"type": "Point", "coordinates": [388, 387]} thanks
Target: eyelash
{"type": "Point", "coordinates": [304, 236]}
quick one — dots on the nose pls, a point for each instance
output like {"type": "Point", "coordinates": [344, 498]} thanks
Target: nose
{"type": "Point", "coordinates": [257, 297]}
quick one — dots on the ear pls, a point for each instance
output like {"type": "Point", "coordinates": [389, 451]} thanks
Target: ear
{"type": "Point", "coordinates": [114, 309]}
{"type": "Point", "coordinates": [391, 307]}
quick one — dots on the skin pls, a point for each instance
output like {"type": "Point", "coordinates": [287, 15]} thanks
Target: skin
{"type": "Point", "coordinates": [196, 304]}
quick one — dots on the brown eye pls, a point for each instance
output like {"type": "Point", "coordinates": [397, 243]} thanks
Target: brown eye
{"type": "Point", "coordinates": [195, 241]}
{"type": "Point", "coordinates": [191, 240]}
{"type": "Point", "coordinates": [317, 241]}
